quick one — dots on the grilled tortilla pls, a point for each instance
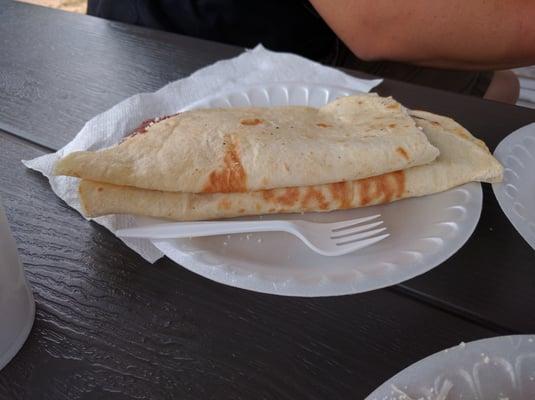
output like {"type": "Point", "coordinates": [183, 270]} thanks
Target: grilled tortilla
{"type": "Point", "coordinates": [252, 149]}
{"type": "Point", "coordinates": [462, 159]}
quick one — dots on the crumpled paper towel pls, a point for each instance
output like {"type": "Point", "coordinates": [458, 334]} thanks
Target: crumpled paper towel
{"type": "Point", "coordinates": [253, 67]}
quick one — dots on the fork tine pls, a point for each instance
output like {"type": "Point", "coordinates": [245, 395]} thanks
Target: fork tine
{"type": "Point", "coordinates": [359, 228]}
{"type": "Point", "coordinates": [348, 224]}
{"type": "Point", "coordinates": [359, 236]}
{"type": "Point", "coordinates": [361, 244]}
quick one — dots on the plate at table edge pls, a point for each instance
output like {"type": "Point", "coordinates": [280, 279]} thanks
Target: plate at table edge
{"type": "Point", "coordinates": [278, 263]}
{"type": "Point", "coordinates": [497, 368]}
{"type": "Point", "coordinates": [517, 154]}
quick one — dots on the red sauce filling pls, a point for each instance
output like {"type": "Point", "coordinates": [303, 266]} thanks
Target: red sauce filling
{"type": "Point", "coordinates": [143, 127]}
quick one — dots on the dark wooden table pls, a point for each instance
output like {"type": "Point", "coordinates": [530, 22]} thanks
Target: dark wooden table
{"type": "Point", "coordinates": [110, 325]}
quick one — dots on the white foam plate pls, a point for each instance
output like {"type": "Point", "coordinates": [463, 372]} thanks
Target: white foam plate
{"type": "Point", "coordinates": [17, 307]}
{"type": "Point", "coordinates": [424, 231]}
{"type": "Point", "coordinates": [500, 368]}
{"type": "Point", "coordinates": [516, 194]}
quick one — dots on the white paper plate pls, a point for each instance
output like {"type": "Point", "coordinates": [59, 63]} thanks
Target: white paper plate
{"type": "Point", "coordinates": [424, 231]}
{"type": "Point", "coordinates": [500, 368]}
{"type": "Point", "coordinates": [516, 194]}
{"type": "Point", "coordinates": [17, 308]}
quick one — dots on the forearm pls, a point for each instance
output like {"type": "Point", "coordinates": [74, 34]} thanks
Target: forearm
{"type": "Point", "coordinates": [474, 34]}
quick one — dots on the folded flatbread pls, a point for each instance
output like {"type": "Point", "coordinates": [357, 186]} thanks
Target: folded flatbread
{"type": "Point", "coordinates": [462, 159]}
{"type": "Point", "coordinates": [251, 149]}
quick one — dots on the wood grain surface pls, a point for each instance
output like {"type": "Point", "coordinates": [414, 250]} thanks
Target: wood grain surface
{"type": "Point", "coordinates": [59, 69]}
{"type": "Point", "coordinates": [490, 279]}
{"type": "Point", "coordinates": [95, 63]}
{"type": "Point", "coordinates": [110, 325]}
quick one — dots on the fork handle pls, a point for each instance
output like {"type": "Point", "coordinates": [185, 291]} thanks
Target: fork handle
{"type": "Point", "coordinates": [177, 230]}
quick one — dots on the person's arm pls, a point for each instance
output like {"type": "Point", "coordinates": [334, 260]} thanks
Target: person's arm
{"type": "Point", "coordinates": [467, 34]}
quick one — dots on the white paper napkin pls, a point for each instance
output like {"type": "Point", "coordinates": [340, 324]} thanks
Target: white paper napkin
{"type": "Point", "coordinates": [253, 67]}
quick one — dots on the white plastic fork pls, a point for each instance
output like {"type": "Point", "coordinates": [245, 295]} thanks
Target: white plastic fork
{"type": "Point", "coordinates": [328, 239]}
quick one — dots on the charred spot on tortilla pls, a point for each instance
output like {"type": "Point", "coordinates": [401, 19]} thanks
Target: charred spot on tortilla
{"type": "Point", "coordinates": [435, 123]}
{"type": "Point", "coordinates": [323, 125]}
{"type": "Point", "coordinates": [289, 197]}
{"type": "Point", "coordinates": [268, 194]}
{"type": "Point", "coordinates": [403, 153]}
{"type": "Point", "coordinates": [341, 192]}
{"type": "Point", "coordinates": [230, 178]}
{"type": "Point", "coordinates": [313, 195]}
{"type": "Point", "coordinates": [381, 189]}
{"type": "Point", "coordinates": [251, 121]}
{"type": "Point", "coordinates": [461, 133]}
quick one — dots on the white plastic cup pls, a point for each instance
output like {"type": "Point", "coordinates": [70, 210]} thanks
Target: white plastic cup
{"type": "Point", "coordinates": [17, 307]}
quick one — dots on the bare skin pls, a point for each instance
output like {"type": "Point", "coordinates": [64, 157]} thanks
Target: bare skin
{"type": "Point", "coordinates": [455, 34]}
{"type": "Point", "coordinates": [475, 34]}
